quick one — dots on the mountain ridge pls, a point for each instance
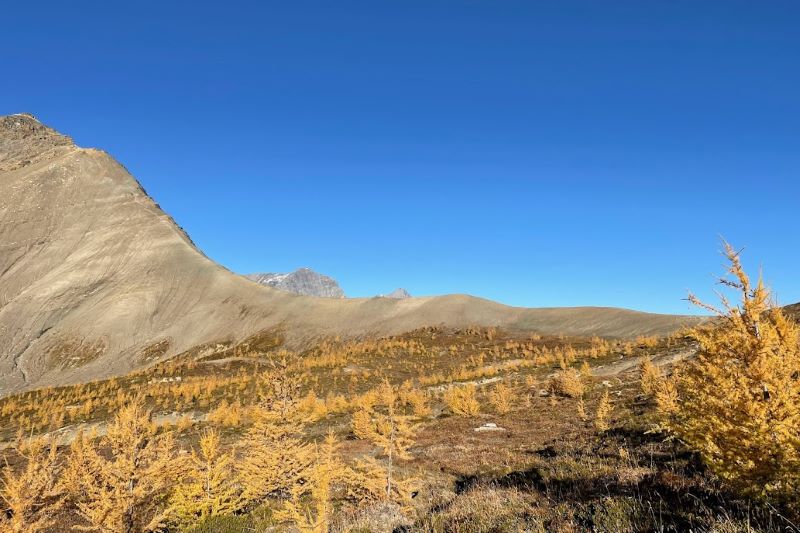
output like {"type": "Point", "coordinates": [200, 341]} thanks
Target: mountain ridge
{"type": "Point", "coordinates": [94, 275]}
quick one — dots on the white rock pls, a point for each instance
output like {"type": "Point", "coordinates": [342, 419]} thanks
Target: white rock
{"type": "Point", "coordinates": [489, 426]}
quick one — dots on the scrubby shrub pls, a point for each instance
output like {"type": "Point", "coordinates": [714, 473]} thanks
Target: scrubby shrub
{"type": "Point", "coordinates": [649, 377]}
{"type": "Point", "coordinates": [567, 383]}
{"type": "Point", "coordinates": [603, 413]}
{"type": "Point", "coordinates": [462, 400]}
{"type": "Point", "coordinates": [502, 398]}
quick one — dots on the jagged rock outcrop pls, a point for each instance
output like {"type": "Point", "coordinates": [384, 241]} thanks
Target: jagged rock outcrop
{"type": "Point", "coordinates": [301, 281]}
{"type": "Point", "coordinates": [397, 294]}
{"type": "Point", "coordinates": [96, 280]}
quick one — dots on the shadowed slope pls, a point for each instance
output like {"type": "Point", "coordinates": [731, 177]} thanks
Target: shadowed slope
{"type": "Point", "coordinates": [93, 274]}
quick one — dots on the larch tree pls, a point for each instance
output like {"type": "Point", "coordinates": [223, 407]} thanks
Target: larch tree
{"type": "Point", "coordinates": [603, 412]}
{"type": "Point", "coordinates": [326, 470]}
{"type": "Point", "coordinates": [502, 398]}
{"type": "Point", "coordinates": [738, 402]}
{"type": "Point", "coordinates": [649, 377]}
{"type": "Point", "coordinates": [126, 475]}
{"type": "Point", "coordinates": [274, 456]}
{"type": "Point", "coordinates": [462, 400]}
{"type": "Point", "coordinates": [391, 431]}
{"type": "Point", "coordinates": [32, 495]}
{"type": "Point", "coordinates": [208, 489]}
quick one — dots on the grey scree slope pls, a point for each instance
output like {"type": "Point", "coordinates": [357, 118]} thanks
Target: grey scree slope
{"type": "Point", "coordinates": [90, 264]}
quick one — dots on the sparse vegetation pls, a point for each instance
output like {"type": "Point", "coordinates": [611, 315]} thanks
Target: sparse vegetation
{"type": "Point", "coordinates": [267, 441]}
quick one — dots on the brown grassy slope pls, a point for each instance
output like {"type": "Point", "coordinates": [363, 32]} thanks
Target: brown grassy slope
{"type": "Point", "coordinates": [93, 273]}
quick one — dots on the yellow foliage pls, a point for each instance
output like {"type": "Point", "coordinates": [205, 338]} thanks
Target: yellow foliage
{"type": "Point", "coordinates": [582, 410]}
{"type": "Point", "coordinates": [603, 412]}
{"type": "Point", "coordinates": [274, 456]}
{"type": "Point", "coordinates": [32, 494]}
{"type": "Point", "coordinates": [390, 431]}
{"type": "Point", "coordinates": [567, 383]}
{"type": "Point", "coordinates": [738, 401]}
{"type": "Point", "coordinates": [124, 490]}
{"type": "Point", "coordinates": [647, 342]}
{"type": "Point", "coordinates": [649, 377]}
{"type": "Point", "coordinates": [502, 398]}
{"type": "Point", "coordinates": [312, 407]}
{"type": "Point", "coordinates": [226, 415]}
{"type": "Point", "coordinates": [369, 482]}
{"type": "Point", "coordinates": [666, 395]}
{"type": "Point", "coordinates": [327, 469]}
{"type": "Point", "coordinates": [208, 488]}
{"type": "Point", "coordinates": [416, 399]}
{"type": "Point", "coordinates": [184, 422]}
{"type": "Point", "coordinates": [462, 400]}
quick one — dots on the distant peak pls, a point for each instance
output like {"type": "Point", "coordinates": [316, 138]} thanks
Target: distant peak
{"type": "Point", "coordinates": [398, 294]}
{"type": "Point", "coordinates": [301, 281]}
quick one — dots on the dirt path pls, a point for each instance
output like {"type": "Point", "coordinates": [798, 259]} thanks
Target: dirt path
{"type": "Point", "coordinates": [68, 434]}
{"type": "Point", "coordinates": [631, 363]}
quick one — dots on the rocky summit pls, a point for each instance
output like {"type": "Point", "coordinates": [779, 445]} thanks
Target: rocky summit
{"type": "Point", "coordinates": [397, 294]}
{"type": "Point", "coordinates": [301, 281]}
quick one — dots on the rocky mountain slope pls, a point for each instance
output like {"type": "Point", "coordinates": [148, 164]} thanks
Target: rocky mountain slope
{"type": "Point", "coordinates": [301, 281]}
{"type": "Point", "coordinates": [96, 280]}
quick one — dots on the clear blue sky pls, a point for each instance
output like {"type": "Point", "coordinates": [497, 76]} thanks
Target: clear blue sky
{"type": "Point", "coordinates": [536, 153]}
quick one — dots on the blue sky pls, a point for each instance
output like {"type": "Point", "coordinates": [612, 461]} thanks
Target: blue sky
{"type": "Point", "coordinates": [535, 153]}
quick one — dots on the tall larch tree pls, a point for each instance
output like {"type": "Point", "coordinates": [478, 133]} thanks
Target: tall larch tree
{"type": "Point", "coordinates": [126, 475]}
{"type": "Point", "coordinates": [274, 456]}
{"type": "Point", "coordinates": [392, 432]}
{"type": "Point", "coordinates": [327, 470]}
{"type": "Point", "coordinates": [209, 488]}
{"type": "Point", "coordinates": [738, 402]}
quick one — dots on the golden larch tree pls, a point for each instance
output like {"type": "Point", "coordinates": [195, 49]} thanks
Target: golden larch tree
{"type": "Point", "coordinates": [274, 455]}
{"type": "Point", "coordinates": [389, 430]}
{"type": "Point", "coordinates": [126, 475]}
{"type": "Point", "coordinates": [462, 400]}
{"type": "Point", "coordinates": [738, 402]}
{"type": "Point", "coordinates": [31, 495]}
{"type": "Point", "coordinates": [502, 398]}
{"type": "Point", "coordinates": [208, 488]}
{"type": "Point", "coordinates": [603, 412]}
{"type": "Point", "coordinates": [326, 470]}
{"type": "Point", "coordinates": [649, 377]}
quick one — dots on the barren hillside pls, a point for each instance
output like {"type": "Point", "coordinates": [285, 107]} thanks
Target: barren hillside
{"type": "Point", "coordinates": [96, 280]}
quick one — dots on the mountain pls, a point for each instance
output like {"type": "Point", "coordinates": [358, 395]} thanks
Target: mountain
{"type": "Point", "coordinates": [397, 294]}
{"type": "Point", "coordinates": [301, 281]}
{"type": "Point", "coordinates": [793, 310]}
{"type": "Point", "coordinates": [96, 280]}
